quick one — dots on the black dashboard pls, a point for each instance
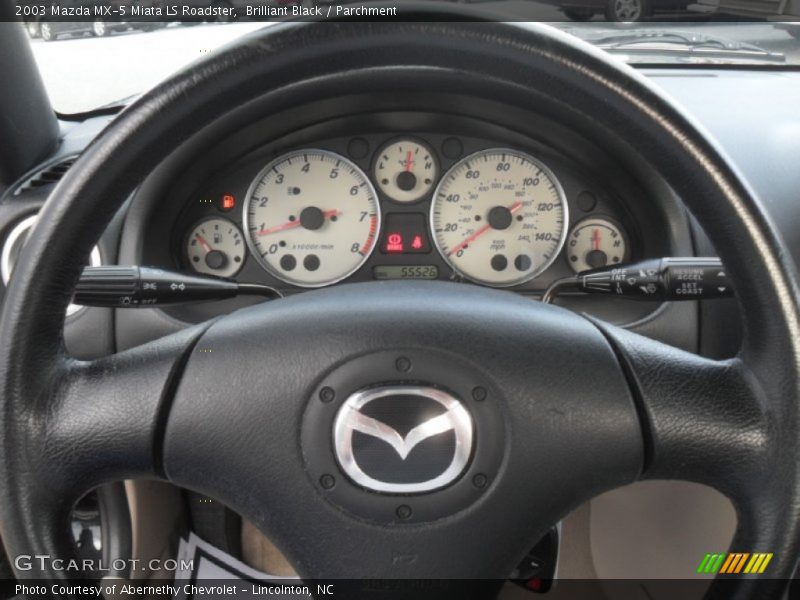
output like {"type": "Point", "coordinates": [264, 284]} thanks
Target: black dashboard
{"type": "Point", "coordinates": [209, 183]}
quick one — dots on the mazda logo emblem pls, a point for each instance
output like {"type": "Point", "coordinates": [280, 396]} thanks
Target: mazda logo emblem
{"type": "Point", "coordinates": [403, 439]}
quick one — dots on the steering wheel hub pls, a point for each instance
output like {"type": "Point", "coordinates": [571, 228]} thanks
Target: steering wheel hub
{"type": "Point", "coordinates": [403, 417]}
{"type": "Point", "coordinates": [404, 436]}
{"type": "Point", "coordinates": [521, 439]}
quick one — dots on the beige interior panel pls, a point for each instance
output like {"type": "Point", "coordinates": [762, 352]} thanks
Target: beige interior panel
{"type": "Point", "coordinates": [648, 530]}
{"type": "Point", "coordinates": [260, 553]}
{"type": "Point", "coordinates": [652, 530]}
{"type": "Point", "coordinates": [156, 518]}
{"type": "Point", "coordinates": [659, 530]}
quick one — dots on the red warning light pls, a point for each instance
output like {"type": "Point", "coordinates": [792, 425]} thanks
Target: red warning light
{"type": "Point", "coordinates": [405, 233]}
{"type": "Point", "coordinates": [394, 242]}
{"type": "Point", "coordinates": [228, 202]}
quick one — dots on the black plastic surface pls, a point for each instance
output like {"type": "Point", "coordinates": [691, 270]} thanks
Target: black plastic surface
{"type": "Point", "coordinates": [673, 279]}
{"type": "Point", "coordinates": [29, 128]}
{"type": "Point", "coordinates": [134, 286]}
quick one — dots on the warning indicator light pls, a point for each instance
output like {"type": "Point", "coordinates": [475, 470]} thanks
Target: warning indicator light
{"type": "Point", "coordinates": [394, 242]}
{"type": "Point", "coordinates": [227, 202]}
{"type": "Point", "coordinates": [405, 233]}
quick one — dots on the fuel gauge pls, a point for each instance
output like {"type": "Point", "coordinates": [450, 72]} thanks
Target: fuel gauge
{"type": "Point", "coordinates": [596, 242]}
{"type": "Point", "coordinates": [215, 247]}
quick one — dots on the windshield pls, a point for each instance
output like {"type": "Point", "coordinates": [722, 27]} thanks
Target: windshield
{"type": "Point", "coordinates": [98, 63]}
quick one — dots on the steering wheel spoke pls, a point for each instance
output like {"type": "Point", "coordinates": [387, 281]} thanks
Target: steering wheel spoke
{"type": "Point", "coordinates": [98, 421]}
{"type": "Point", "coordinates": [715, 422]}
{"type": "Point", "coordinates": [704, 420]}
{"type": "Point", "coordinates": [103, 422]}
{"type": "Point", "coordinates": [85, 424]}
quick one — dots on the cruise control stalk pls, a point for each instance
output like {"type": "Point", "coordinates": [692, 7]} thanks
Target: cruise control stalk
{"type": "Point", "coordinates": [672, 279]}
{"type": "Point", "coordinates": [143, 287]}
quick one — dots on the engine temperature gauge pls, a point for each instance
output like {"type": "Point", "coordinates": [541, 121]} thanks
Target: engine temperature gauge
{"type": "Point", "coordinates": [215, 247]}
{"type": "Point", "coordinates": [405, 170]}
{"type": "Point", "coordinates": [596, 242]}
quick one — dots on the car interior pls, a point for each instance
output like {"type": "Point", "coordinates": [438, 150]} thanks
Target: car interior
{"type": "Point", "coordinates": [448, 304]}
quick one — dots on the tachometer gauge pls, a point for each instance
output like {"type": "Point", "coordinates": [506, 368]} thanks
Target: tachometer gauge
{"type": "Point", "coordinates": [215, 247]}
{"type": "Point", "coordinates": [499, 217]}
{"type": "Point", "coordinates": [312, 217]}
{"type": "Point", "coordinates": [405, 170]}
{"type": "Point", "coordinates": [596, 242]}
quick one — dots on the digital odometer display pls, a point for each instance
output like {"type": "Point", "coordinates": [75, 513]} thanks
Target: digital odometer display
{"type": "Point", "coordinates": [406, 272]}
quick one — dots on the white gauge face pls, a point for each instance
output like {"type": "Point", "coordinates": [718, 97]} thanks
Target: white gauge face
{"type": "Point", "coordinates": [216, 247]}
{"type": "Point", "coordinates": [499, 217]}
{"type": "Point", "coordinates": [405, 170]}
{"type": "Point", "coordinates": [596, 242]}
{"type": "Point", "coordinates": [312, 217]}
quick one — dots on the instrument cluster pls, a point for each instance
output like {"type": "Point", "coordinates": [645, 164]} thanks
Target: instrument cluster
{"type": "Point", "coordinates": [400, 206]}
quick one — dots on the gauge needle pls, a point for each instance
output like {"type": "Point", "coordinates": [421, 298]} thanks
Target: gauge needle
{"type": "Point", "coordinates": [596, 239]}
{"type": "Point", "coordinates": [296, 223]}
{"type": "Point", "coordinates": [409, 161]}
{"type": "Point", "coordinates": [206, 246]}
{"type": "Point", "coordinates": [512, 209]}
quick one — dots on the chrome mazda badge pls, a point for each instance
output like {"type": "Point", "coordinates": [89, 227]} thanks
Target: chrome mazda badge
{"type": "Point", "coordinates": [403, 439]}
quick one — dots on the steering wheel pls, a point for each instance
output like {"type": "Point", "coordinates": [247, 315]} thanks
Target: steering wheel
{"type": "Point", "coordinates": [244, 408]}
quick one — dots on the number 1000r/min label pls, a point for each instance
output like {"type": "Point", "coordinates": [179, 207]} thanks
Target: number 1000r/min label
{"type": "Point", "coordinates": [406, 272]}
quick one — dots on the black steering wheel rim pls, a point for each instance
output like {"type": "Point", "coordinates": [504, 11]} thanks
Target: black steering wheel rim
{"type": "Point", "coordinates": [42, 421]}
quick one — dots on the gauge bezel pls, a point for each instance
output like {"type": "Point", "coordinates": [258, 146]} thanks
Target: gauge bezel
{"type": "Point", "coordinates": [608, 219]}
{"type": "Point", "coordinates": [246, 219]}
{"type": "Point", "coordinates": [437, 166]}
{"type": "Point", "coordinates": [23, 228]}
{"type": "Point", "coordinates": [565, 228]}
{"type": "Point", "coordinates": [187, 238]}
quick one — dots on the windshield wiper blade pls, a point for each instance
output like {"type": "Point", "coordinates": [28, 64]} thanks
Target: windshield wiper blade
{"type": "Point", "coordinates": [112, 108]}
{"type": "Point", "coordinates": [682, 44]}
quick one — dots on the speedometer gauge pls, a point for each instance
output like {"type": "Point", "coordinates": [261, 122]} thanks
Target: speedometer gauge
{"type": "Point", "coordinates": [312, 217]}
{"type": "Point", "coordinates": [499, 217]}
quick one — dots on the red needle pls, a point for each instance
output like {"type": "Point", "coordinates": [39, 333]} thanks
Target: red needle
{"type": "Point", "coordinates": [296, 223]}
{"type": "Point", "coordinates": [206, 246]}
{"type": "Point", "coordinates": [409, 161]}
{"type": "Point", "coordinates": [512, 209]}
{"type": "Point", "coordinates": [596, 239]}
